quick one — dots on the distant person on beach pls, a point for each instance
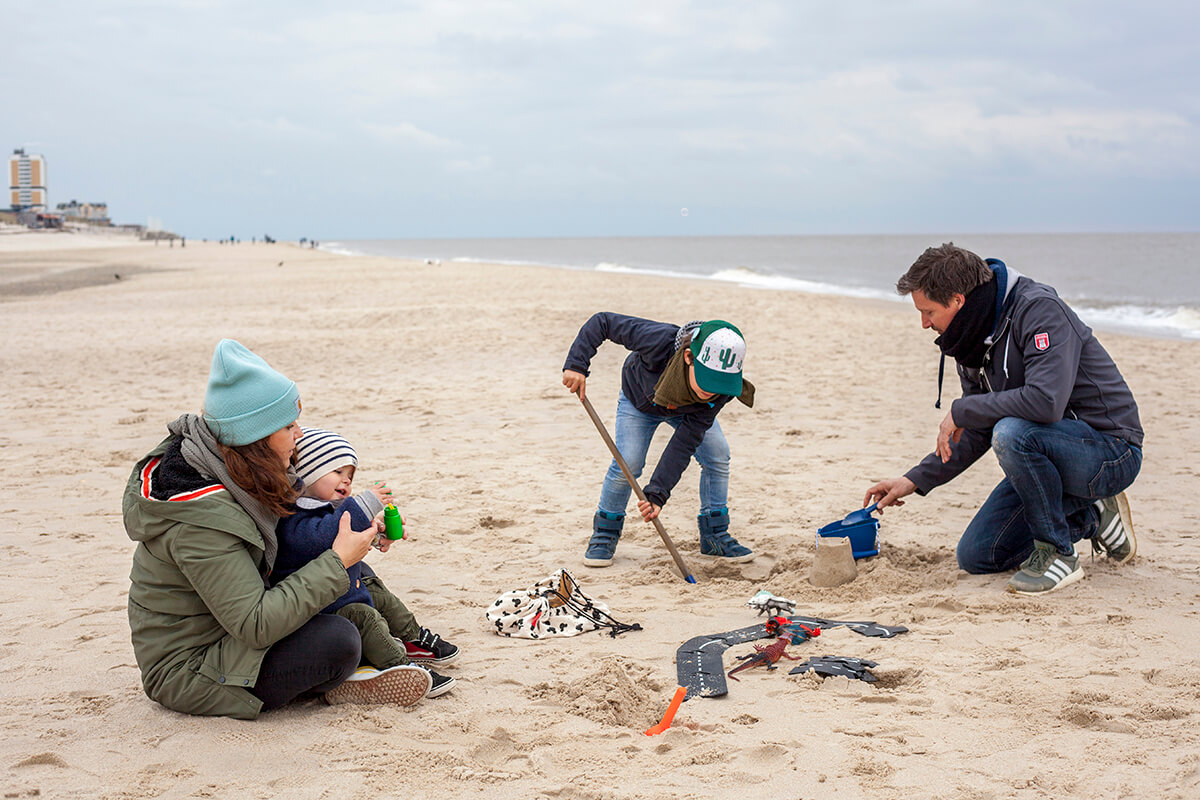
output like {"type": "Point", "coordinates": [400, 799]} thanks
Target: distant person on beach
{"type": "Point", "coordinates": [390, 633]}
{"type": "Point", "coordinates": [1048, 399]}
{"type": "Point", "coordinates": [209, 635]}
{"type": "Point", "coordinates": [682, 376]}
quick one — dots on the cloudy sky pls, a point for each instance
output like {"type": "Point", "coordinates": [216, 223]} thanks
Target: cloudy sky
{"type": "Point", "coordinates": [396, 119]}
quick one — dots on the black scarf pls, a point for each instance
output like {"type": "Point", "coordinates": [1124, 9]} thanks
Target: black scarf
{"type": "Point", "coordinates": [965, 338]}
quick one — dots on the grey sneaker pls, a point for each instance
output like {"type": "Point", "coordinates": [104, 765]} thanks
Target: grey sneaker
{"type": "Point", "coordinates": [1045, 570]}
{"type": "Point", "coordinates": [404, 686]}
{"type": "Point", "coordinates": [1115, 538]}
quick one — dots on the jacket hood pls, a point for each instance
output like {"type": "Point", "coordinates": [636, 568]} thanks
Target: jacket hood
{"type": "Point", "coordinates": [208, 506]}
{"type": "Point", "coordinates": [1006, 279]}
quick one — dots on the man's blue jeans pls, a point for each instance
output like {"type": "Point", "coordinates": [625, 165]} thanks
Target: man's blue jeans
{"type": "Point", "coordinates": [634, 431]}
{"type": "Point", "coordinates": [1053, 476]}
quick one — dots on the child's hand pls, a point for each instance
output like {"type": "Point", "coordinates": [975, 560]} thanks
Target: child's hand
{"type": "Point", "coordinates": [380, 489]}
{"type": "Point", "coordinates": [381, 542]}
{"type": "Point", "coordinates": [648, 510]}
{"type": "Point", "coordinates": [575, 381]}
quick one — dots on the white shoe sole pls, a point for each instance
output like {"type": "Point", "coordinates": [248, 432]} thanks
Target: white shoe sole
{"type": "Point", "coordinates": [597, 562]}
{"type": "Point", "coordinates": [441, 690]}
{"type": "Point", "coordinates": [403, 686]}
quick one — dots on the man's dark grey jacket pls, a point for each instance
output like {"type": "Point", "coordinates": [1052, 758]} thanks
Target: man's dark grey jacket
{"type": "Point", "coordinates": [1044, 365]}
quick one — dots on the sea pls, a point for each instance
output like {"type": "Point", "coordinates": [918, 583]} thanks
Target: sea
{"type": "Point", "coordinates": [1140, 283]}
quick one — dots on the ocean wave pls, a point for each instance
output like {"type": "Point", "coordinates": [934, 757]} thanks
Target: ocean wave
{"type": "Point", "coordinates": [339, 249]}
{"type": "Point", "coordinates": [1179, 322]}
{"type": "Point", "coordinates": [507, 262]}
{"type": "Point", "coordinates": [744, 276]}
{"type": "Point", "coordinates": [1174, 322]}
{"type": "Point", "coordinates": [1182, 322]}
{"type": "Point", "coordinates": [753, 279]}
{"type": "Point", "coordinates": [605, 266]}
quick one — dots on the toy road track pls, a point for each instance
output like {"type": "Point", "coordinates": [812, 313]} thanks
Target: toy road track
{"type": "Point", "coordinates": [699, 662]}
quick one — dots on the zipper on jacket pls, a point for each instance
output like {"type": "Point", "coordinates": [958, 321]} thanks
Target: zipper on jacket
{"type": "Point", "coordinates": [987, 356]}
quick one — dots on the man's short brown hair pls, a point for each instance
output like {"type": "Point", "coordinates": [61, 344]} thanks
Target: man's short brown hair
{"type": "Point", "coordinates": [942, 272]}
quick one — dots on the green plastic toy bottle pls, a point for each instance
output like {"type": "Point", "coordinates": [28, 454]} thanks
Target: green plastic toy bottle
{"type": "Point", "coordinates": [393, 524]}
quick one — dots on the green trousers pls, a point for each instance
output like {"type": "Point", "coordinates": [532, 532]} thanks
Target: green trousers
{"type": "Point", "coordinates": [384, 628]}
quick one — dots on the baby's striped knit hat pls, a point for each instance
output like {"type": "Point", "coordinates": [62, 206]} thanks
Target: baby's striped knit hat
{"type": "Point", "coordinates": [319, 452]}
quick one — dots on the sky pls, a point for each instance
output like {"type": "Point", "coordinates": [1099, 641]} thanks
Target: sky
{"type": "Point", "coordinates": [398, 119]}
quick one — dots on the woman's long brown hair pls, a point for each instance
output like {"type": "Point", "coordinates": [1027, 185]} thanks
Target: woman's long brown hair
{"type": "Point", "coordinates": [255, 467]}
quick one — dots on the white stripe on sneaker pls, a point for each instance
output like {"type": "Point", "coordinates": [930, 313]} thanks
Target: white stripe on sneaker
{"type": "Point", "coordinates": [1114, 534]}
{"type": "Point", "coordinates": [1058, 570]}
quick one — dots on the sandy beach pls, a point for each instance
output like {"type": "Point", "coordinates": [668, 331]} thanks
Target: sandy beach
{"type": "Point", "coordinates": [446, 377]}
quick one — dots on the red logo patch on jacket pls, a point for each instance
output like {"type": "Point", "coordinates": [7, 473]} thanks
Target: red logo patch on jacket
{"type": "Point", "coordinates": [1041, 341]}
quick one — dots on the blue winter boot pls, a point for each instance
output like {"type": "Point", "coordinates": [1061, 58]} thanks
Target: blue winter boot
{"type": "Point", "coordinates": [606, 530]}
{"type": "Point", "coordinates": [716, 541]}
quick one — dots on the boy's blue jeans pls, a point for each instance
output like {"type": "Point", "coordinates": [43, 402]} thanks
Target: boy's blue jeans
{"type": "Point", "coordinates": [634, 431]}
{"type": "Point", "coordinates": [1053, 476]}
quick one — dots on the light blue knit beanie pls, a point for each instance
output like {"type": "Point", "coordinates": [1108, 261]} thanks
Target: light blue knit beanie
{"type": "Point", "coordinates": [246, 399]}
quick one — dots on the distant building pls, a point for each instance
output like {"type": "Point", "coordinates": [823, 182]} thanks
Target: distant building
{"type": "Point", "coordinates": [40, 219]}
{"type": "Point", "coordinates": [27, 181]}
{"type": "Point", "coordinates": [89, 212]}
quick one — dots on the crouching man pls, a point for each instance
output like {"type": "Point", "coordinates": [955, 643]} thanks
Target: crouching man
{"type": "Point", "coordinates": [1046, 397]}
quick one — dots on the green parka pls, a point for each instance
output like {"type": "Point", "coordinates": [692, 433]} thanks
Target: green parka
{"type": "Point", "coordinates": [200, 618]}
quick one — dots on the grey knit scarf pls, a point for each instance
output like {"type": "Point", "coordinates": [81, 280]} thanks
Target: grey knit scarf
{"type": "Point", "coordinates": [203, 454]}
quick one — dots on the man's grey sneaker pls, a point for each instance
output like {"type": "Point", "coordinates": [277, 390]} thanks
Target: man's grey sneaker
{"type": "Point", "coordinates": [1115, 538]}
{"type": "Point", "coordinates": [1045, 570]}
{"type": "Point", "coordinates": [404, 686]}
{"type": "Point", "coordinates": [429, 648]}
{"type": "Point", "coordinates": [441, 683]}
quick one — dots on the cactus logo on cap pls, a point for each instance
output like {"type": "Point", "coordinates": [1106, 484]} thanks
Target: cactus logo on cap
{"type": "Point", "coordinates": [718, 350]}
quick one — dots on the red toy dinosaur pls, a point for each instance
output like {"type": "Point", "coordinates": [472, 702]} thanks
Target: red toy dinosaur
{"type": "Point", "coordinates": [766, 656]}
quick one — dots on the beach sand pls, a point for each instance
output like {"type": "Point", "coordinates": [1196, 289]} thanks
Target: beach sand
{"type": "Point", "coordinates": [446, 377]}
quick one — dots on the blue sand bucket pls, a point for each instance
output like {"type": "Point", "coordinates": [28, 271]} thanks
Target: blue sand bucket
{"type": "Point", "coordinates": [860, 527]}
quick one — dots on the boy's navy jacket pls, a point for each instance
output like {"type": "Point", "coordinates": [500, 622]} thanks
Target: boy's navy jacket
{"type": "Point", "coordinates": [652, 345]}
{"type": "Point", "coordinates": [1043, 365]}
{"type": "Point", "coordinates": [310, 532]}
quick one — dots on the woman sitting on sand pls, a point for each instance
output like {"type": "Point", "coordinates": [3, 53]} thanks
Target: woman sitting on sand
{"type": "Point", "coordinates": [209, 636]}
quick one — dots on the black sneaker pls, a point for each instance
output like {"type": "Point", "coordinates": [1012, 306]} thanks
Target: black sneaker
{"type": "Point", "coordinates": [441, 683]}
{"type": "Point", "coordinates": [429, 648]}
{"type": "Point", "coordinates": [1115, 537]}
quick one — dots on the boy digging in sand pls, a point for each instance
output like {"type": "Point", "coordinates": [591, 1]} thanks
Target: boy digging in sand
{"type": "Point", "coordinates": [682, 376]}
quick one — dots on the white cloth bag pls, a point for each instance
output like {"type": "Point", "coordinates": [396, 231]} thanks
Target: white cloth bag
{"type": "Point", "coordinates": [555, 606]}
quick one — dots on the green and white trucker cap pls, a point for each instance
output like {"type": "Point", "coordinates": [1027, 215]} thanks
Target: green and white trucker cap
{"type": "Point", "coordinates": [719, 350]}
